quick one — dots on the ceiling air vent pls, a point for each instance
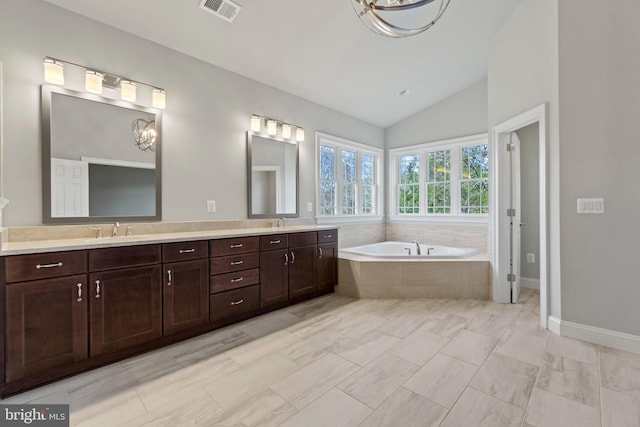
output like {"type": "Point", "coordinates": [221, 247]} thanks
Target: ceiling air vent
{"type": "Point", "coordinates": [225, 9]}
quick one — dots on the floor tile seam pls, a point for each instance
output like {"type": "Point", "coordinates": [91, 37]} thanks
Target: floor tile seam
{"type": "Point", "coordinates": [466, 361]}
{"type": "Point", "coordinates": [535, 383]}
{"type": "Point", "coordinates": [497, 397]}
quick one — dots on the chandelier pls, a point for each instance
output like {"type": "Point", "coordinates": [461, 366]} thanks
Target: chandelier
{"type": "Point", "coordinates": [144, 134]}
{"type": "Point", "coordinates": [376, 15]}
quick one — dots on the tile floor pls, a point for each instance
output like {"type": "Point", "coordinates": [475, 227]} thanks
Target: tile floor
{"type": "Point", "coordinates": [335, 361]}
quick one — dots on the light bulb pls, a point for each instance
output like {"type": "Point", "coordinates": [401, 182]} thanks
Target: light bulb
{"type": "Point", "coordinates": [256, 123]}
{"type": "Point", "coordinates": [158, 99]}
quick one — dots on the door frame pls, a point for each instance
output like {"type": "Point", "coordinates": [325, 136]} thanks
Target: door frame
{"type": "Point", "coordinates": [499, 223]}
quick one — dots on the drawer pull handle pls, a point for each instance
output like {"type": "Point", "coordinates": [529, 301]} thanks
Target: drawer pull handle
{"type": "Point", "coordinates": [97, 288]}
{"type": "Point", "coordinates": [239, 245]}
{"type": "Point", "coordinates": [239, 279]}
{"type": "Point", "coordinates": [274, 242]}
{"type": "Point", "coordinates": [237, 302]}
{"type": "Point", "coordinates": [237, 262]}
{"type": "Point", "coordinates": [186, 251]}
{"type": "Point", "coordinates": [79, 285]}
{"type": "Point", "coordinates": [57, 264]}
{"type": "Point", "coordinates": [169, 278]}
{"type": "Point", "coordinates": [293, 257]}
{"type": "Point", "coordinates": [320, 249]}
{"type": "Point", "coordinates": [328, 236]}
{"type": "Point", "coordinates": [286, 258]}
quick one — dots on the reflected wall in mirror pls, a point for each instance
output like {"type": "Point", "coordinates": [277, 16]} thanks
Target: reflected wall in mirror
{"type": "Point", "coordinates": [92, 169]}
{"type": "Point", "coordinates": [272, 177]}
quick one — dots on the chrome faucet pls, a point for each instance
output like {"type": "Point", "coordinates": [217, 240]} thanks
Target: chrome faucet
{"type": "Point", "coordinates": [417, 247]}
{"type": "Point", "coordinates": [98, 231]}
{"type": "Point", "coordinates": [282, 222]}
{"type": "Point", "coordinates": [114, 232]}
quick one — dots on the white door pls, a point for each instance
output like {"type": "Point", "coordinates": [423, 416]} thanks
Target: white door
{"type": "Point", "coordinates": [515, 215]}
{"type": "Point", "coordinates": [69, 188]}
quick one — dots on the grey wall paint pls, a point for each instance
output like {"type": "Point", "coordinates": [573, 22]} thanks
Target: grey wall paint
{"type": "Point", "coordinates": [522, 74]}
{"type": "Point", "coordinates": [115, 190]}
{"type": "Point", "coordinates": [207, 113]}
{"type": "Point", "coordinates": [599, 110]}
{"type": "Point", "coordinates": [462, 114]}
{"type": "Point", "coordinates": [530, 199]}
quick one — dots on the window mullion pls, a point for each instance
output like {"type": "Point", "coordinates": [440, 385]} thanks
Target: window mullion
{"type": "Point", "coordinates": [454, 177]}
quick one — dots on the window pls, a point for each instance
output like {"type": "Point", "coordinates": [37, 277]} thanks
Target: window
{"type": "Point", "coordinates": [447, 179]}
{"type": "Point", "coordinates": [348, 178]}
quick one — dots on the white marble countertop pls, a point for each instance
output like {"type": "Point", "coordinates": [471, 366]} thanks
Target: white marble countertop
{"type": "Point", "coordinates": [42, 246]}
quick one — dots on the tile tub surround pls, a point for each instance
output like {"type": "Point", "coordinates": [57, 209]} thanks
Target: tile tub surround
{"type": "Point", "coordinates": [460, 236]}
{"type": "Point", "coordinates": [462, 278]}
{"type": "Point", "coordinates": [306, 365]}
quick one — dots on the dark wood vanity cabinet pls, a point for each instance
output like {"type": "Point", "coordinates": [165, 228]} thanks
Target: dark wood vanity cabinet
{"type": "Point", "coordinates": [185, 287]}
{"type": "Point", "coordinates": [235, 273]}
{"type": "Point", "coordinates": [303, 264]}
{"type": "Point", "coordinates": [327, 259]}
{"type": "Point", "coordinates": [66, 312]}
{"type": "Point", "coordinates": [46, 319]}
{"type": "Point", "coordinates": [125, 299]}
{"type": "Point", "coordinates": [274, 269]}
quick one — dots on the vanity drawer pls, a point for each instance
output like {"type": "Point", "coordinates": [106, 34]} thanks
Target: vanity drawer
{"type": "Point", "coordinates": [183, 251]}
{"type": "Point", "coordinates": [273, 241]}
{"type": "Point", "coordinates": [125, 256]}
{"type": "Point", "coordinates": [328, 236]}
{"type": "Point", "coordinates": [20, 268]}
{"type": "Point", "coordinates": [233, 303]}
{"type": "Point", "coordinates": [227, 264]}
{"type": "Point", "coordinates": [237, 245]}
{"type": "Point", "coordinates": [303, 239]}
{"type": "Point", "coordinates": [225, 282]}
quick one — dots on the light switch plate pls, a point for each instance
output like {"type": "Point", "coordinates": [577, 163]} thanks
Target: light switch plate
{"type": "Point", "coordinates": [309, 207]}
{"type": "Point", "coordinates": [591, 206]}
{"type": "Point", "coordinates": [211, 206]}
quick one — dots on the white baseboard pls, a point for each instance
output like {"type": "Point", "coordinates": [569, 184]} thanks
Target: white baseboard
{"type": "Point", "coordinates": [530, 283]}
{"type": "Point", "coordinates": [606, 337]}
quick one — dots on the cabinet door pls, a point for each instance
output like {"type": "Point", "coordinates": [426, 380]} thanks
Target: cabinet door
{"type": "Point", "coordinates": [303, 270]}
{"type": "Point", "coordinates": [274, 277]}
{"type": "Point", "coordinates": [186, 295]}
{"type": "Point", "coordinates": [125, 308]}
{"type": "Point", "coordinates": [46, 325]}
{"type": "Point", "coordinates": [327, 265]}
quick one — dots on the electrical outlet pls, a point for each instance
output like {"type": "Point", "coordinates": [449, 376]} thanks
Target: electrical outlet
{"type": "Point", "coordinates": [531, 258]}
{"type": "Point", "coordinates": [309, 207]}
{"type": "Point", "coordinates": [211, 206]}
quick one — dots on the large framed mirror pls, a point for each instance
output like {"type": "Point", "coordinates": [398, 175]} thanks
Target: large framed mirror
{"type": "Point", "coordinates": [272, 177]}
{"type": "Point", "coordinates": [101, 159]}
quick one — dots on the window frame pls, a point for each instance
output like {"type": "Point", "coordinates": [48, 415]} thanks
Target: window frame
{"type": "Point", "coordinates": [342, 144]}
{"type": "Point", "coordinates": [422, 150]}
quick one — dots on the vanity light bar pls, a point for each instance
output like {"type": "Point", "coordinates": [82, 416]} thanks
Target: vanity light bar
{"type": "Point", "coordinates": [272, 126]}
{"type": "Point", "coordinates": [95, 80]}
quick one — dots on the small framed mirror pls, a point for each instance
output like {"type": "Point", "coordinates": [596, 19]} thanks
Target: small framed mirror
{"type": "Point", "coordinates": [101, 159]}
{"type": "Point", "coordinates": [272, 177]}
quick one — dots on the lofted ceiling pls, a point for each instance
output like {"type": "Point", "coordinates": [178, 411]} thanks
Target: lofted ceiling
{"type": "Point", "coordinates": [319, 50]}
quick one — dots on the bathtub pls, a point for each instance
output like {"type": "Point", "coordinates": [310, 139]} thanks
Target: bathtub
{"type": "Point", "coordinates": [386, 270]}
{"type": "Point", "coordinates": [408, 251]}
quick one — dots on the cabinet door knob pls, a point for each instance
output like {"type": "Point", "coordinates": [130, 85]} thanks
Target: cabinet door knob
{"type": "Point", "coordinates": [169, 278]}
{"type": "Point", "coordinates": [237, 302]}
{"type": "Point", "coordinates": [97, 288]}
{"type": "Point", "coordinates": [79, 285]}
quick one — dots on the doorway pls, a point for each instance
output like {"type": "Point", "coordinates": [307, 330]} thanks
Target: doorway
{"type": "Point", "coordinates": [519, 219]}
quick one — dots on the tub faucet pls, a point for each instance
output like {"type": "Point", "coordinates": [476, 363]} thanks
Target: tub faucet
{"type": "Point", "coordinates": [417, 247]}
{"type": "Point", "coordinates": [114, 232]}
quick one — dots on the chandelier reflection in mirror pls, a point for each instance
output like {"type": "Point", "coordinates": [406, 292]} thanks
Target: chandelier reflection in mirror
{"type": "Point", "coordinates": [144, 134]}
{"type": "Point", "coordinates": [394, 18]}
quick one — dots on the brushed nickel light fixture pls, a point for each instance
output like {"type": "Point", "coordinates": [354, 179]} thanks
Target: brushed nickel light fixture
{"type": "Point", "coordinates": [385, 16]}
{"type": "Point", "coordinates": [276, 128]}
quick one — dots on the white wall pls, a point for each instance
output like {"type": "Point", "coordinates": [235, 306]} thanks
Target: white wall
{"type": "Point", "coordinates": [522, 74]}
{"type": "Point", "coordinates": [462, 114]}
{"type": "Point", "coordinates": [599, 152]}
{"type": "Point", "coordinates": [204, 125]}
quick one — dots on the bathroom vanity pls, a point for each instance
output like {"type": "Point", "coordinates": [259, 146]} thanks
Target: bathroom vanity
{"type": "Point", "coordinates": [71, 309]}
